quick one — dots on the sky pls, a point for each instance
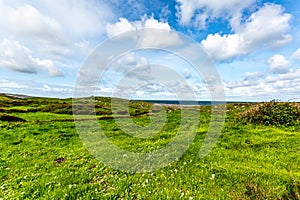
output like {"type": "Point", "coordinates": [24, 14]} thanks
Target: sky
{"type": "Point", "coordinates": [254, 46]}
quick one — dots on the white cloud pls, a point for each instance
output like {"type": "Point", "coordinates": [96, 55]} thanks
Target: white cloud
{"type": "Point", "coordinates": [120, 27]}
{"type": "Point", "coordinates": [47, 65]}
{"type": "Point", "coordinates": [84, 47]}
{"type": "Point", "coordinates": [278, 64]}
{"type": "Point", "coordinates": [296, 55]}
{"type": "Point", "coordinates": [266, 28]}
{"type": "Point", "coordinates": [224, 47]}
{"type": "Point", "coordinates": [293, 74]}
{"type": "Point", "coordinates": [266, 87]}
{"type": "Point", "coordinates": [130, 60]}
{"type": "Point", "coordinates": [17, 57]}
{"type": "Point", "coordinates": [153, 38]}
{"type": "Point", "coordinates": [7, 85]}
{"type": "Point", "coordinates": [80, 18]}
{"type": "Point", "coordinates": [54, 29]}
{"type": "Point", "coordinates": [55, 89]}
{"type": "Point", "coordinates": [46, 87]}
{"type": "Point", "coordinates": [201, 21]}
{"type": "Point", "coordinates": [133, 66]}
{"type": "Point", "coordinates": [26, 21]}
{"type": "Point", "coordinates": [253, 75]}
{"type": "Point", "coordinates": [153, 23]}
{"type": "Point", "coordinates": [35, 88]}
{"type": "Point", "coordinates": [187, 73]}
{"type": "Point", "coordinates": [51, 20]}
{"type": "Point", "coordinates": [210, 9]}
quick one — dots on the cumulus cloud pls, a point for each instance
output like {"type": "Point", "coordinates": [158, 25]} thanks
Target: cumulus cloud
{"type": "Point", "coordinates": [225, 47]}
{"type": "Point", "coordinates": [25, 21]}
{"type": "Point", "coordinates": [266, 28]}
{"type": "Point", "coordinates": [79, 18]}
{"type": "Point", "coordinates": [17, 57]}
{"type": "Point", "coordinates": [278, 64]}
{"type": "Point", "coordinates": [50, 20]}
{"type": "Point", "coordinates": [120, 27]}
{"type": "Point", "coordinates": [123, 25]}
{"type": "Point", "coordinates": [58, 30]}
{"type": "Point", "coordinates": [205, 9]}
{"type": "Point", "coordinates": [161, 39]}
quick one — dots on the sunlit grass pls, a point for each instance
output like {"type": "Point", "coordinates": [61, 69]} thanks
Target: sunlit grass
{"type": "Point", "coordinates": [44, 158]}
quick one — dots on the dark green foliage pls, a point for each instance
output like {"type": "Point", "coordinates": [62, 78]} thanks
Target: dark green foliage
{"type": "Point", "coordinates": [292, 189]}
{"type": "Point", "coordinates": [272, 113]}
{"type": "Point", "coordinates": [254, 191]}
{"type": "Point", "coordinates": [9, 118]}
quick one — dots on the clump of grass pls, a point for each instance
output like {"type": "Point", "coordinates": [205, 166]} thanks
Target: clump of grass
{"type": "Point", "coordinates": [292, 189]}
{"type": "Point", "coordinates": [272, 113]}
{"type": "Point", "coordinates": [254, 191]}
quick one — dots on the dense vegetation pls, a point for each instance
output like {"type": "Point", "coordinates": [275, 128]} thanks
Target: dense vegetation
{"type": "Point", "coordinates": [272, 113]}
{"type": "Point", "coordinates": [42, 156]}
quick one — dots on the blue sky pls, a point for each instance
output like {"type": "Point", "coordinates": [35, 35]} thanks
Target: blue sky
{"type": "Point", "coordinates": [255, 45]}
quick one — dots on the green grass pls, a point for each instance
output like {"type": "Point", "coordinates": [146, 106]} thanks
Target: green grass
{"type": "Point", "coordinates": [44, 158]}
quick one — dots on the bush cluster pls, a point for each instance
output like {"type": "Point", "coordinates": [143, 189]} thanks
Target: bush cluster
{"type": "Point", "coordinates": [272, 113]}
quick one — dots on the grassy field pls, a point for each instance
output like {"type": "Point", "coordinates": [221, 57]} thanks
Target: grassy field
{"type": "Point", "coordinates": [42, 156]}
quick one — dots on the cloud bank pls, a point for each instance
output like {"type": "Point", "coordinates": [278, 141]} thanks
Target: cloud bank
{"type": "Point", "coordinates": [266, 28]}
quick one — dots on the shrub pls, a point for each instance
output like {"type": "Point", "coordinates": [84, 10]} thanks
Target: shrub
{"type": "Point", "coordinates": [272, 113]}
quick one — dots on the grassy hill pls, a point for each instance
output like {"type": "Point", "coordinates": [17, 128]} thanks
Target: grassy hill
{"type": "Point", "coordinates": [42, 156]}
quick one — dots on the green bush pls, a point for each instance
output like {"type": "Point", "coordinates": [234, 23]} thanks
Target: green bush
{"type": "Point", "coordinates": [272, 113]}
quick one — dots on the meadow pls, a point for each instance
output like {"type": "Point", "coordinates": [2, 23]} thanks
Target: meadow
{"type": "Point", "coordinates": [42, 157]}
